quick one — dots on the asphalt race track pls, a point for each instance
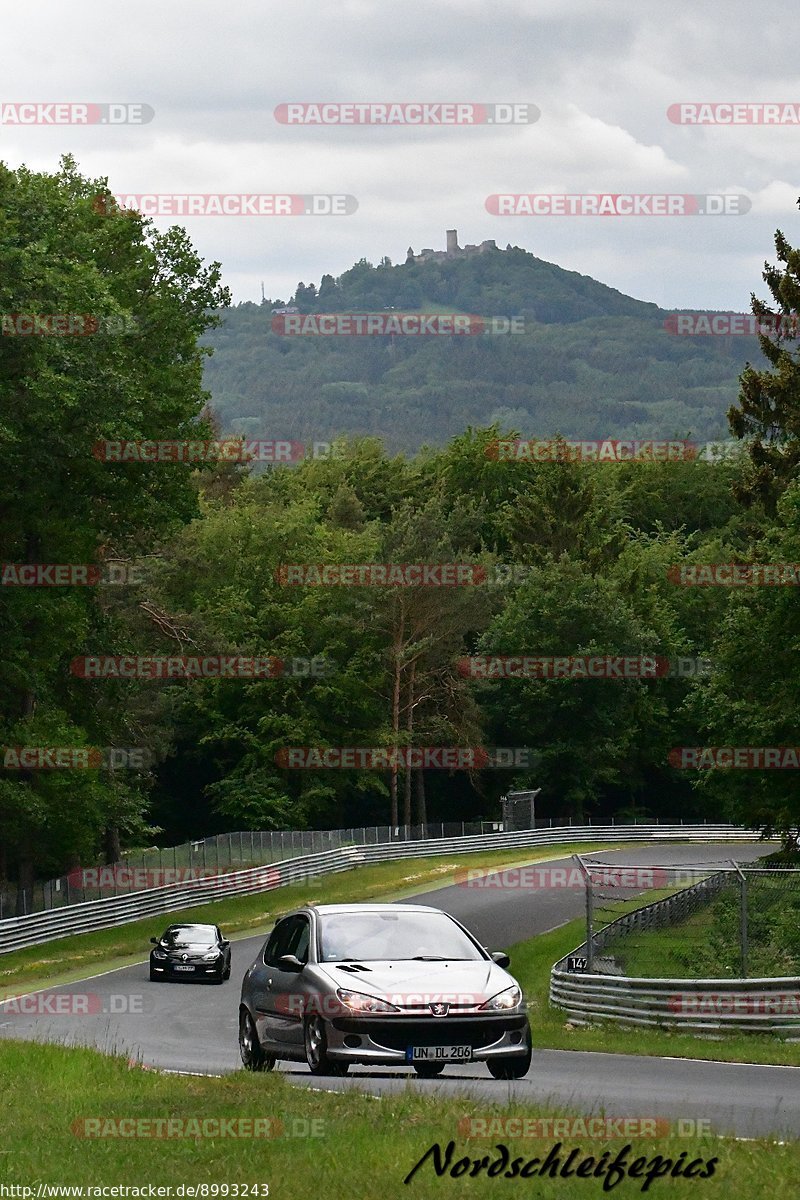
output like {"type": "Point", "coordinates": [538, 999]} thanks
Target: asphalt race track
{"type": "Point", "coordinates": [193, 1028]}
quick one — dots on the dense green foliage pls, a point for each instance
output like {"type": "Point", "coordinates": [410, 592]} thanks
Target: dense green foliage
{"type": "Point", "coordinates": [591, 362]}
{"type": "Point", "coordinates": [579, 559]}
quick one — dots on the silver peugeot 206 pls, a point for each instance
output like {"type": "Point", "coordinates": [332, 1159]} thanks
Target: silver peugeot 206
{"type": "Point", "coordinates": [381, 984]}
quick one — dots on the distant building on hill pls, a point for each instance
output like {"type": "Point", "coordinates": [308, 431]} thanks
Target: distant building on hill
{"type": "Point", "coordinates": [453, 250]}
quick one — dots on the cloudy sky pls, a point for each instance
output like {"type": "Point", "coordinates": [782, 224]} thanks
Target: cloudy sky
{"type": "Point", "coordinates": [602, 75]}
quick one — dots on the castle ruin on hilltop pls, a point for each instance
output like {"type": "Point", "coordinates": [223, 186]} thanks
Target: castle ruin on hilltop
{"type": "Point", "coordinates": [453, 250]}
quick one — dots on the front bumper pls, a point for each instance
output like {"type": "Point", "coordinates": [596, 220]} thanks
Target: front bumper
{"type": "Point", "coordinates": [200, 970]}
{"type": "Point", "coordinates": [386, 1039]}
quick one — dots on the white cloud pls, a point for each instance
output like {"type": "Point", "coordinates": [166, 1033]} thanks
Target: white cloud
{"type": "Point", "coordinates": [603, 77]}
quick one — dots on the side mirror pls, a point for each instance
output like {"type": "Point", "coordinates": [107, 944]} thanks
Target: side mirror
{"type": "Point", "coordinates": [501, 958]}
{"type": "Point", "coordinates": [154, 941]}
{"type": "Point", "coordinates": [224, 943]}
{"type": "Point", "coordinates": [290, 962]}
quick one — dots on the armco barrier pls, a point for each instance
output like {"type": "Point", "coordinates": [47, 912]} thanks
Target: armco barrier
{"type": "Point", "coordinates": [695, 1005]}
{"type": "Point", "coordinates": [36, 928]}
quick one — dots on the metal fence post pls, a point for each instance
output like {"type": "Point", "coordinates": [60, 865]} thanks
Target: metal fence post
{"type": "Point", "coordinates": [587, 879]}
{"type": "Point", "coordinates": [742, 919]}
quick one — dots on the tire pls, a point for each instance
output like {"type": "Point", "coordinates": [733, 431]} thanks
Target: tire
{"type": "Point", "coordinates": [154, 978]}
{"type": "Point", "coordinates": [227, 972]}
{"type": "Point", "coordinates": [315, 1040]}
{"type": "Point", "coordinates": [428, 1070]}
{"type": "Point", "coordinates": [515, 1066]}
{"type": "Point", "coordinates": [254, 1058]}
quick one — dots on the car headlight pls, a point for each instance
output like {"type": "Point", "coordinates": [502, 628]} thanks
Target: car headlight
{"type": "Point", "coordinates": [359, 1002]}
{"type": "Point", "coordinates": [509, 998]}
{"type": "Point", "coordinates": [211, 956]}
{"type": "Point", "coordinates": [159, 954]}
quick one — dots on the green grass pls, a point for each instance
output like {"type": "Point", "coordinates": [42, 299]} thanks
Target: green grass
{"type": "Point", "coordinates": [673, 952]}
{"type": "Point", "coordinates": [530, 964]}
{"type": "Point", "coordinates": [363, 1149]}
{"type": "Point", "coordinates": [706, 945]}
{"type": "Point", "coordinates": [69, 959]}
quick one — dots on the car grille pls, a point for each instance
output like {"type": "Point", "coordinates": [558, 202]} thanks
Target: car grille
{"type": "Point", "coordinates": [433, 1031]}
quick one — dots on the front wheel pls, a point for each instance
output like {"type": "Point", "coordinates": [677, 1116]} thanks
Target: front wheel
{"type": "Point", "coordinates": [516, 1066]}
{"type": "Point", "coordinates": [315, 1038]}
{"type": "Point", "coordinates": [253, 1056]}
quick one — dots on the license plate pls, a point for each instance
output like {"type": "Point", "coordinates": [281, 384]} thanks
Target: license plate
{"type": "Point", "coordinates": [184, 968]}
{"type": "Point", "coordinates": [436, 1054]}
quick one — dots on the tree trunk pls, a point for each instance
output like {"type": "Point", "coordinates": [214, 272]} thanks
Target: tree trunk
{"type": "Point", "coordinates": [25, 860]}
{"type": "Point", "coordinates": [112, 851]}
{"type": "Point", "coordinates": [397, 647]}
{"type": "Point", "coordinates": [422, 808]}
{"type": "Point", "coordinates": [410, 732]}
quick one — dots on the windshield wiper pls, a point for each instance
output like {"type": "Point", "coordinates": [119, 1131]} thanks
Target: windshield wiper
{"type": "Point", "coordinates": [430, 958]}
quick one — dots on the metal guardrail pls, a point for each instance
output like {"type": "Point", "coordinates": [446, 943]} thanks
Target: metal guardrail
{"type": "Point", "coordinates": [694, 1005]}
{"type": "Point", "coordinates": [141, 870]}
{"type": "Point", "coordinates": [37, 928]}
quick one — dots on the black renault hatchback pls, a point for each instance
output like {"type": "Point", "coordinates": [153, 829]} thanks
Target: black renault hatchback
{"type": "Point", "coordinates": [191, 952]}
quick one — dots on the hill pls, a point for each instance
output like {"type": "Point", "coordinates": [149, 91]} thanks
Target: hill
{"type": "Point", "coordinates": [590, 363]}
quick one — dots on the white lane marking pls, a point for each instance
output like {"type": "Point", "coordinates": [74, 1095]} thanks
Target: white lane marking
{"type": "Point", "coordinates": [197, 1074]}
{"type": "Point", "coordinates": [640, 1058]}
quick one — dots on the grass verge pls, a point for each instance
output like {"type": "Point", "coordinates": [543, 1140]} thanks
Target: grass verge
{"type": "Point", "coordinates": [530, 964]}
{"type": "Point", "coordinates": [363, 1147]}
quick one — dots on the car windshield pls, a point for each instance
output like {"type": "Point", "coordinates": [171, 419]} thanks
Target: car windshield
{"type": "Point", "coordinates": [189, 935]}
{"type": "Point", "coordinates": [371, 936]}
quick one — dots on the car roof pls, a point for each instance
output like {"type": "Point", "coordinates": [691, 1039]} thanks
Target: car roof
{"type": "Point", "coordinates": [330, 909]}
{"type": "Point", "coordinates": [191, 925]}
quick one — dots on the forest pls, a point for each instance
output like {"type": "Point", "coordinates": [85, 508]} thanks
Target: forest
{"type": "Point", "coordinates": [581, 359]}
{"type": "Point", "coordinates": [554, 560]}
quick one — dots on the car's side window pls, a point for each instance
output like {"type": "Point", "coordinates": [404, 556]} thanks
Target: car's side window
{"type": "Point", "coordinates": [278, 944]}
{"type": "Point", "coordinates": [301, 939]}
{"type": "Point", "coordinates": [273, 940]}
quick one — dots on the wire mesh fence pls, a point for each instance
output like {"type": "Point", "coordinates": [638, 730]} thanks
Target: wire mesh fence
{"type": "Point", "coordinates": [159, 866]}
{"type": "Point", "coordinates": [706, 921]}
